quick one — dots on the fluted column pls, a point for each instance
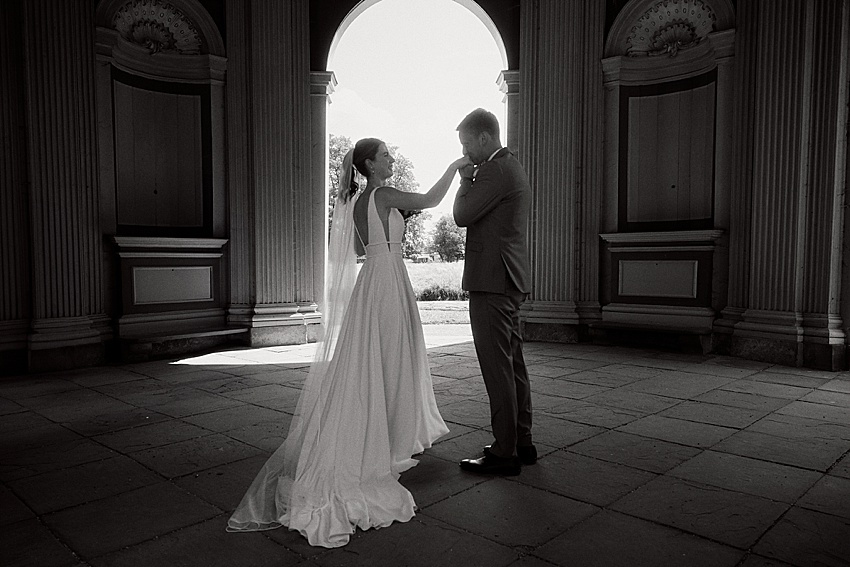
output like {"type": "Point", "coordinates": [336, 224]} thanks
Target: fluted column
{"type": "Point", "coordinates": [561, 45]}
{"type": "Point", "coordinates": [741, 195]}
{"type": "Point", "coordinates": [824, 333]}
{"type": "Point", "coordinates": [14, 222]}
{"type": "Point", "coordinates": [268, 88]}
{"type": "Point", "coordinates": [322, 84]}
{"type": "Point", "coordinates": [68, 311]}
{"type": "Point", "coordinates": [800, 93]}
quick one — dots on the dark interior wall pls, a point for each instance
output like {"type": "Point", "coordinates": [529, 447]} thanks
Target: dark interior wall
{"type": "Point", "coordinates": [327, 15]}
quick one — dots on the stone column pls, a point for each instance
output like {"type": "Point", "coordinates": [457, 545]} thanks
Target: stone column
{"type": "Point", "coordinates": [824, 332]}
{"type": "Point", "coordinates": [68, 312]}
{"type": "Point", "coordinates": [797, 54]}
{"type": "Point", "coordinates": [560, 146]}
{"type": "Point", "coordinates": [509, 84]}
{"type": "Point", "coordinates": [322, 84]}
{"type": "Point", "coordinates": [271, 187]}
{"type": "Point", "coordinates": [15, 298]}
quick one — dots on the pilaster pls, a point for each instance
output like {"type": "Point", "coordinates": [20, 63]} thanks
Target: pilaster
{"type": "Point", "coordinates": [322, 84]}
{"type": "Point", "coordinates": [272, 196]}
{"type": "Point", "coordinates": [560, 147]}
{"type": "Point", "coordinates": [796, 54]}
{"type": "Point", "coordinates": [15, 298]}
{"type": "Point", "coordinates": [69, 324]}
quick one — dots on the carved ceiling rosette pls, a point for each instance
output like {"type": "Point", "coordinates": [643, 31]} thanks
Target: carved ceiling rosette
{"type": "Point", "coordinates": [157, 26]}
{"type": "Point", "coordinates": [670, 26]}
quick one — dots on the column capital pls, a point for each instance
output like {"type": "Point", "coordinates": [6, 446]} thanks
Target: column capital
{"type": "Point", "coordinates": [322, 83]}
{"type": "Point", "coordinates": [509, 81]}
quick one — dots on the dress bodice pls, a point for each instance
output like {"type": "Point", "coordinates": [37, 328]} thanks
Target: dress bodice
{"type": "Point", "coordinates": [378, 242]}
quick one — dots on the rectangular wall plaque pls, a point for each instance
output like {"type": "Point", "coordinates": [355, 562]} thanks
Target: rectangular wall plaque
{"type": "Point", "coordinates": [172, 284]}
{"type": "Point", "coordinates": [659, 278]}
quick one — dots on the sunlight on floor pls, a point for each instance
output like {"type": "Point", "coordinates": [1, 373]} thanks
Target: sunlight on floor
{"type": "Point", "coordinates": [435, 336]}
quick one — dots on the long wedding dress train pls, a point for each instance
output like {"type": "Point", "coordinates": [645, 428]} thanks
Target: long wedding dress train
{"type": "Point", "coordinates": [361, 420]}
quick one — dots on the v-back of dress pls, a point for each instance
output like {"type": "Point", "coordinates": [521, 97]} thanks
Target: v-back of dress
{"type": "Point", "coordinates": [375, 408]}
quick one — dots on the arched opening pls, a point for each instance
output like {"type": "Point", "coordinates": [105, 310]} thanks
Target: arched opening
{"type": "Point", "coordinates": [408, 72]}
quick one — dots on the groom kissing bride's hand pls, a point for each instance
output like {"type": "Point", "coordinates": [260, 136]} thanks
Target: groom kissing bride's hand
{"type": "Point", "coordinates": [493, 204]}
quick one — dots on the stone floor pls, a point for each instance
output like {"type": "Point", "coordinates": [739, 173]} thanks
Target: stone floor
{"type": "Point", "coordinates": [647, 458]}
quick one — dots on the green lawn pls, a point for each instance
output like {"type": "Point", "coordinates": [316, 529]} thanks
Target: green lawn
{"type": "Point", "coordinates": [444, 275]}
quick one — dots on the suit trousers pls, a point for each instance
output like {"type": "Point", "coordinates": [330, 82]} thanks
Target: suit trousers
{"type": "Point", "coordinates": [498, 343]}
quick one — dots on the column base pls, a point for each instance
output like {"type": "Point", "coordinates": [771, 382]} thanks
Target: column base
{"type": "Point", "coordinates": [64, 343]}
{"type": "Point", "coordinates": [278, 325]}
{"type": "Point", "coordinates": [65, 358]}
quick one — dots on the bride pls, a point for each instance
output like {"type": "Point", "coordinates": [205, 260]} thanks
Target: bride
{"type": "Point", "coordinates": [367, 404]}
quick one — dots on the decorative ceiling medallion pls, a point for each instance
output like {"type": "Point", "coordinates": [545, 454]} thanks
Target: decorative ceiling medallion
{"type": "Point", "coordinates": [157, 26]}
{"type": "Point", "coordinates": [670, 26]}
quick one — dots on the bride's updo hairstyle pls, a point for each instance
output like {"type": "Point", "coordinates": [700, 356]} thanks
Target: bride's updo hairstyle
{"type": "Point", "coordinates": [364, 149]}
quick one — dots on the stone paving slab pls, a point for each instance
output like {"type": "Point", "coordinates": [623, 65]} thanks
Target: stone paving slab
{"type": "Point", "coordinates": [646, 457]}
{"type": "Point", "coordinates": [726, 516]}
{"type": "Point", "coordinates": [616, 540]}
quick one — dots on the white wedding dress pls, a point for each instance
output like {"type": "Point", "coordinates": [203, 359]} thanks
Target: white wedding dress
{"type": "Point", "coordinates": [359, 422]}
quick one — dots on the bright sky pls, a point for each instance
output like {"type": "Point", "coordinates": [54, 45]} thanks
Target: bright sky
{"type": "Point", "coordinates": [408, 71]}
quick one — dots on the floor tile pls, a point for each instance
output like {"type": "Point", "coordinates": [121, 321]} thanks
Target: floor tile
{"type": "Point", "coordinates": [829, 398]}
{"type": "Point", "coordinates": [444, 546]}
{"type": "Point", "coordinates": [127, 519]}
{"type": "Point", "coordinates": [751, 476]}
{"type": "Point", "coordinates": [644, 453]}
{"type": "Point", "coordinates": [715, 414]}
{"type": "Point", "coordinates": [266, 436]}
{"type": "Point", "coordinates": [564, 388]}
{"type": "Point", "coordinates": [638, 402]}
{"type": "Point", "coordinates": [205, 544]}
{"type": "Point", "coordinates": [153, 435]}
{"type": "Point", "coordinates": [435, 479]}
{"type": "Point", "coordinates": [583, 478]}
{"type": "Point", "coordinates": [743, 400]}
{"type": "Point", "coordinates": [559, 433]}
{"type": "Point", "coordinates": [691, 433]}
{"type": "Point", "coordinates": [474, 413]}
{"type": "Point", "coordinates": [225, 485]}
{"type": "Point", "coordinates": [83, 483]}
{"type": "Point", "coordinates": [589, 413]}
{"type": "Point", "coordinates": [13, 509]}
{"type": "Point", "coordinates": [226, 419]}
{"type": "Point", "coordinates": [681, 385]}
{"type": "Point", "coordinates": [194, 455]}
{"type": "Point", "coordinates": [28, 544]}
{"type": "Point", "coordinates": [811, 454]}
{"type": "Point", "coordinates": [510, 513]}
{"type": "Point", "coordinates": [767, 389]}
{"type": "Point", "coordinates": [617, 540]}
{"type": "Point", "coordinates": [808, 539]}
{"type": "Point", "coordinates": [47, 458]}
{"type": "Point", "coordinates": [728, 517]}
{"type": "Point", "coordinates": [831, 495]}
{"type": "Point", "coordinates": [838, 385]}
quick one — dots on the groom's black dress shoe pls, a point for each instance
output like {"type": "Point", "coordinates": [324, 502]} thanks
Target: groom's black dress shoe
{"type": "Point", "coordinates": [490, 464]}
{"type": "Point", "coordinates": [527, 453]}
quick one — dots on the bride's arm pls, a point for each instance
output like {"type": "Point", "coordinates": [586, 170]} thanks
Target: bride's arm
{"type": "Point", "coordinates": [391, 198]}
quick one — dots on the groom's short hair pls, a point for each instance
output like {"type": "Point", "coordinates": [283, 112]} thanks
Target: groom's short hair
{"type": "Point", "coordinates": [478, 121]}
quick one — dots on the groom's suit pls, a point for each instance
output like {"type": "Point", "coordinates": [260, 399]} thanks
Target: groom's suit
{"type": "Point", "coordinates": [494, 208]}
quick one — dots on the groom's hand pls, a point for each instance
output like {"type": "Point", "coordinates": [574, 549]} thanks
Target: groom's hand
{"type": "Point", "coordinates": [467, 171]}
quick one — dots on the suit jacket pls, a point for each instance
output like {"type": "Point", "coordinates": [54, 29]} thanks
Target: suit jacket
{"type": "Point", "coordinates": [494, 209]}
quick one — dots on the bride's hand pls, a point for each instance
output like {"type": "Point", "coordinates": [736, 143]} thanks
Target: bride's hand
{"type": "Point", "coordinates": [462, 162]}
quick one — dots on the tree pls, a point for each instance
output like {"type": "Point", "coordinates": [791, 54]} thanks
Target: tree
{"type": "Point", "coordinates": [448, 240]}
{"type": "Point", "coordinates": [339, 146]}
{"type": "Point", "coordinates": [403, 179]}
{"type": "Point", "coordinates": [415, 236]}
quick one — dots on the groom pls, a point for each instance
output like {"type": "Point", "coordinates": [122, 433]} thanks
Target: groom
{"type": "Point", "coordinates": [493, 204]}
